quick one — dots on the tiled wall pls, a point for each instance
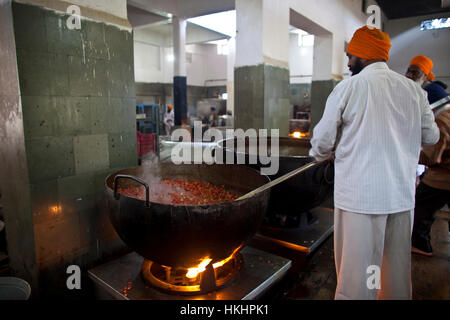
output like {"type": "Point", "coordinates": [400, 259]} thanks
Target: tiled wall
{"type": "Point", "coordinates": [78, 100]}
{"type": "Point", "coordinates": [298, 91]}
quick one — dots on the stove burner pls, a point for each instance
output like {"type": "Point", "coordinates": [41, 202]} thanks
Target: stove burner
{"type": "Point", "coordinates": [174, 280]}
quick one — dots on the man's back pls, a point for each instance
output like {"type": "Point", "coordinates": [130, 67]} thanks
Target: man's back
{"type": "Point", "coordinates": [380, 117]}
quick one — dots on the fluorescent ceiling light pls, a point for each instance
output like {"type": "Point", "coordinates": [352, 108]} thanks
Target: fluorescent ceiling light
{"type": "Point", "coordinates": [435, 24]}
{"type": "Point", "coordinates": [222, 22]}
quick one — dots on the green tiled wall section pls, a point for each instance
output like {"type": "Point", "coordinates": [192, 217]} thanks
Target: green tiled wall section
{"type": "Point", "coordinates": [320, 90]}
{"type": "Point", "coordinates": [298, 91]}
{"type": "Point", "coordinates": [78, 100]}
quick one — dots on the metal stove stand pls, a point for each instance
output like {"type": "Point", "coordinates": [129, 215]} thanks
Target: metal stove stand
{"type": "Point", "coordinates": [121, 279]}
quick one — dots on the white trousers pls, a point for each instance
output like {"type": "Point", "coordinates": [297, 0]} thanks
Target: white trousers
{"type": "Point", "coordinates": [367, 243]}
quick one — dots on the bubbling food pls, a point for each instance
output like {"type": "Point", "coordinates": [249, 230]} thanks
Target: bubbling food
{"type": "Point", "coordinates": [181, 192]}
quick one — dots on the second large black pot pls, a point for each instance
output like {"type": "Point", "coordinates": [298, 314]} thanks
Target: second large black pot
{"type": "Point", "coordinates": [298, 194]}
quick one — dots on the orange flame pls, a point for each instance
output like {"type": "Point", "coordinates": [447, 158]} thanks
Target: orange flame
{"type": "Point", "coordinates": [194, 272]}
{"type": "Point", "coordinates": [55, 209]}
{"type": "Point", "coordinates": [299, 135]}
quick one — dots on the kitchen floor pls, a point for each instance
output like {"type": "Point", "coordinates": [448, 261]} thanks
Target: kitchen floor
{"type": "Point", "coordinates": [316, 279]}
{"type": "Point", "coordinates": [430, 275]}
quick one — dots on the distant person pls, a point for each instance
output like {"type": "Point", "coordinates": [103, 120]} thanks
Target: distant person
{"type": "Point", "coordinates": [436, 91]}
{"type": "Point", "coordinates": [433, 192]}
{"type": "Point", "coordinates": [440, 83]}
{"type": "Point", "coordinates": [374, 124]}
{"type": "Point", "coordinates": [213, 120]}
{"type": "Point", "coordinates": [169, 119]}
{"type": "Point", "coordinates": [419, 70]}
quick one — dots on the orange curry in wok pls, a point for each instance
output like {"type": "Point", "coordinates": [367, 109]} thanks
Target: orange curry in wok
{"type": "Point", "coordinates": [181, 192]}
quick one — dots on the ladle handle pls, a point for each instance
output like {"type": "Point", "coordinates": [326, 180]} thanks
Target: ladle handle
{"type": "Point", "coordinates": [123, 176]}
{"type": "Point", "coordinates": [279, 180]}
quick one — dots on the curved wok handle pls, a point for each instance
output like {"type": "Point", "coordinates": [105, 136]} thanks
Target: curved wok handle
{"type": "Point", "coordinates": [123, 176]}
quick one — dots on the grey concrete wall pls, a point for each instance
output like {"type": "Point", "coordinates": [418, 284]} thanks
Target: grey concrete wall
{"type": "Point", "coordinates": [78, 103]}
{"type": "Point", "coordinates": [277, 99]}
{"type": "Point", "coordinates": [262, 98]}
{"type": "Point", "coordinates": [298, 91]}
{"type": "Point", "coordinates": [320, 90]}
{"type": "Point", "coordinates": [249, 97]}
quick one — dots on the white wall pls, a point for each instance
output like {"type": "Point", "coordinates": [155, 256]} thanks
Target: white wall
{"type": "Point", "coordinates": [148, 62]}
{"type": "Point", "coordinates": [339, 17]}
{"type": "Point", "coordinates": [249, 44]}
{"type": "Point", "coordinates": [300, 61]}
{"type": "Point", "coordinates": [148, 56]}
{"type": "Point", "coordinates": [216, 68]}
{"type": "Point", "coordinates": [337, 20]}
{"type": "Point", "coordinates": [408, 41]}
{"type": "Point", "coordinates": [204, 67]}
{"type": "Point", "coordinates": [276, 32]}
{"type": "Point", "coordinates": [115, 7]}
{"type": "Point", "coordinates": [185, 8]}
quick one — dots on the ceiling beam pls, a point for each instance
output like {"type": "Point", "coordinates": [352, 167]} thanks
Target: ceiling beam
{"type": "Point", "coordinates": [140, 18]}
{"type": "Point", "coordinates": [183, 8]}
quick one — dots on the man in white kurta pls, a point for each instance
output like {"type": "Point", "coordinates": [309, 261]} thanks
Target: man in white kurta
{"type": "Point", "coordinates": [374, 124]}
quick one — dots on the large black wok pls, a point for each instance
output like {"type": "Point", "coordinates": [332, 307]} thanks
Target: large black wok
{"type": "Point", "coordinates": [178, 235]}
{"type": "Point", "coordinates": [301, 192]}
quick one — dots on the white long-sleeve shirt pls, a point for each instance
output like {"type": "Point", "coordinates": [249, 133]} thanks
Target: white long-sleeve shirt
{"type": "Point", "coordinates": [375, 122]}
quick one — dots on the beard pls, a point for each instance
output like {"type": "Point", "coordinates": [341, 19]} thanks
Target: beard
{"type": "Point", "coordinates": [421, 81]}
{"type": "Point", "coordinates": [357, 68]}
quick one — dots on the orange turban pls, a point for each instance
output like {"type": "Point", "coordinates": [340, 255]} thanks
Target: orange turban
{"type": "Point", "coordinates": [425, 64]}
{"type": "Point", "coordinates": [370, 44]}
{"type": "Point", "coordinates": [170, 107]}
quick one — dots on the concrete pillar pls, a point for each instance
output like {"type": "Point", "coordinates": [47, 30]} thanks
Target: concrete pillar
{"type": "Point", "coordinates": [179, 70]}
{"type": "Point", "coordinates": [261, 77]}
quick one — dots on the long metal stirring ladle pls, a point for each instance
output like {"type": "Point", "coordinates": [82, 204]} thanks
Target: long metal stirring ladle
{"type": "Point", "coordinates": [280, 179]}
